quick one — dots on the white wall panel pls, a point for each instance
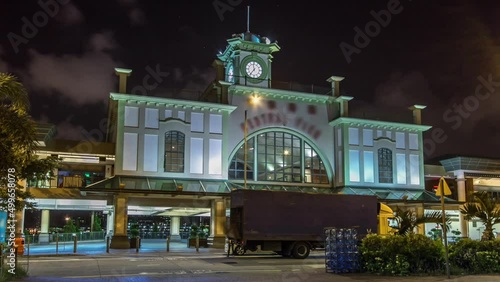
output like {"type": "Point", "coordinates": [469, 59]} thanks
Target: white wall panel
{"type": "Point", "coordinates": [215, 123]}
{"type": "Point", "coordinates": [413, 138]}
{"type": "Point", "coordinates": [368, 167]}
{"type": "Point", "coordinates": [196, 157]}
{"type": "Point", "coordinates": [152, 118]}
{"type": "Point", "coordinates": [353, 136]}
{"type": "Point", "coordinates": [354, 165]}
{"type": "Point", "coordinates": [197, 122]}
{"type": "Point", "coordinates": [150, 152]}
{"type": "Point", "coordinates": [131, 116]}
{"type": "Point", "coordinates": [130, 151]}
{"type": "Point", "coordinates": [414, 170]}
{"type": "Point", "coordinates": [215, 157]}
{"type": "Point", "coordinates": [401, 168]}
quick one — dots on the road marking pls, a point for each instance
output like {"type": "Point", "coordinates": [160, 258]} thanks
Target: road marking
{"type": "Point", "coordinates": [142, 265]}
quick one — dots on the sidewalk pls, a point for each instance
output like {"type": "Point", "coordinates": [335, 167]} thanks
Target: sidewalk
{"type": "Point", "coordinates": [148, 247]}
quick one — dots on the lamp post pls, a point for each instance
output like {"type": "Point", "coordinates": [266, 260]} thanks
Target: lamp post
{"type": "Point", "coordinates": [254, 100]}
{"type": "Point", "coordinates": [245, 151]}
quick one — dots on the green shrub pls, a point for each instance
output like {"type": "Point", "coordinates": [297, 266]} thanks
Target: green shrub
{"type": "Point", "coordinates": [401, 255]}
{"type": "Point", "coordinates": [476, 256]}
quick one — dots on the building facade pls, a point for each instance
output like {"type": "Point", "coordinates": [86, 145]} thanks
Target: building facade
{"type": "Point", "coordinates": [179, 157]}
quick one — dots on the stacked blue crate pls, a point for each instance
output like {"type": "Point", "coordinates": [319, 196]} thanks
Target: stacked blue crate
{"type": "Point", "coordinates": [341, 250]}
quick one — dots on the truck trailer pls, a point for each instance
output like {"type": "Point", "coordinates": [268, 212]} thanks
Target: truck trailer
{"type": "Point", "coordinates": [292, 223]}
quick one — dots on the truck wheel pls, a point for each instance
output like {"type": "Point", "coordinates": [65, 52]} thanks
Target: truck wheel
{"type": "Point", "coordinates": [300, 250]}
{"type": "Point", "coordinates": [239, 250]}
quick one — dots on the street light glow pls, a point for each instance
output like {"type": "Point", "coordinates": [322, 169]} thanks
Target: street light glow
{"type": "Point", "coordinates": [254, 100]}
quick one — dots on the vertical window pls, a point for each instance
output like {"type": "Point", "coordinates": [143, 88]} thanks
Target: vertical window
{"type": "Point", "coordinates": [414, 169]}
{"type": "Point", "coordinates": [196, 157]}
{"type": "Point", "coordinates": [413, 137]}
{"type": "Point", "coordinates": [401, 168]}
{"type": "Point", "coordinates": [368, 167]}
{"type": "Point", "coordinates": [368, 137]}
{"type": "Point", "coordinates": [353, 136]}
{"type": "Point", "coordinates": [215, 123]}
{"type": "Point", "coordinates": [131, 116]}
{"type": "Point", "coordinates": [339, 137]}
{"type": "Point", "coordinates": [181, 115]}
{"type": "Point", "coordinates": [152, 118]}
{"type": "Point", "coordinates": [385, 174]}
{"type": "Point", "coordinates": [174, 151]}
{"type": "Point", "coordinates": [197, 120]}
{"type": "Point", "coordinates": [340, 165]}
{"type": "Point", "coordinates": [400, 140]}
{"type": "Point", "coordinates": [354, 165]}
{"type": "Point", "coordinates": [168, 114]}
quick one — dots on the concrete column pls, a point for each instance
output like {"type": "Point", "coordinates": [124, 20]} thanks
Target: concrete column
{"type": "Point", "coordinates": [120, 238]}
{"type": "Point", "coordinates": [218, 223]}
{"type": "Point", "coordinates": [464, 225]}
{"type": "Point", "coordinates": [110, 223]}
{"type": "Point", "coordinates": [175, 226]}
{"type": "Point", "coordinates": [108, 173]}
{"type": "Point", "coordinates": [44, 228]}
{"type": "Point", "coordinates": [421, 227]}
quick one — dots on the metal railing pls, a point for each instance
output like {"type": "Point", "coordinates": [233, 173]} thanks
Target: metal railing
{"type": "Point", "coordinates": [283, 85]}
{"type": "Point", "coordinates": [66, 237]}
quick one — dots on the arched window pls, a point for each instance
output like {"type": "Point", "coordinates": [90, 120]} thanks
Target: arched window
{"type": "Point", "coordinates": [279, 157]}
{"type": "Point", "coordinates": [174, 151]}
{"type": "Point", "coordinates": [385, 170]}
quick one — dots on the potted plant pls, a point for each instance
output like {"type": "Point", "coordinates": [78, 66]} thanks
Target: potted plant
{"type": "Point", "coordinates": [198, 231]}
{"type": "Point", "coordinates": [134, 233]}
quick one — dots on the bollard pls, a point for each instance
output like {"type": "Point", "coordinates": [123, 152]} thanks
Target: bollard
{"type": "Point", "coordinates": [74, 243]}
{"type": "Point", "coordinates": [107, 244]}
{"type": "Point", "coordinates": [197, 243]}
{"type": "Point", "coordinates": [28, 245]}
{"type": "Point", "coordinates": [168, 243]}
{"type": "Point", "coordinates": [57, 243]}
{"type": "Point", "coordinates": [137, 244]}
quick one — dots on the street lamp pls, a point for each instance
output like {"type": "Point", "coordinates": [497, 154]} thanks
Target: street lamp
{"type": "Point", "coordinates": [254, 100]}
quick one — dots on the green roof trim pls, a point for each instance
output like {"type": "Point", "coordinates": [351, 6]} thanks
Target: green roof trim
{"type": "Point", "coordinates": [379, 124]}
{"type": "Point", "coordinates": [168, 101]}
{"type": "Point", "coordinates": [278, 94]}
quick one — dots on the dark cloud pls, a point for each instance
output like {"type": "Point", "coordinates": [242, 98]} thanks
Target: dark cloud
{"type": "Point", "coordinates": [70, 15]}
{"type": "Point", "coordinates": [83, 78]}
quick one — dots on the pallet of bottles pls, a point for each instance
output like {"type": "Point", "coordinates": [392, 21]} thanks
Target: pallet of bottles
{"type": "Point", "coordinates": [341, 250]}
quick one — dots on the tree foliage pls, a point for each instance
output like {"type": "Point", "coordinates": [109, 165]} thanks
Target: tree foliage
{"type": "Point", "coordinates": [408, 220]}
{"type": "Point", "coordinates": [484, 207]}
{"type": "Point", "coordinates": [17, 142]}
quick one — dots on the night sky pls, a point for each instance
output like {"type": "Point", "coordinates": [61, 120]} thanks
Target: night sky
{"type": "Point", "coordinates": [436, 53]}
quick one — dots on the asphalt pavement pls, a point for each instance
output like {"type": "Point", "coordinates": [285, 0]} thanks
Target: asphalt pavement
{"type": "Point", "coordinates": [91, 262]}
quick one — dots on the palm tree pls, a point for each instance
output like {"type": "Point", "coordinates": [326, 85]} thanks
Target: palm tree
{"type": "Point", "coordinates": [17, 135]}
{"type": "Point", "coordinates": [17, 130]}
{"type": "Point", "coordinates": [408, 220]}
{"type": "Point", "coordinates": [485, 208]}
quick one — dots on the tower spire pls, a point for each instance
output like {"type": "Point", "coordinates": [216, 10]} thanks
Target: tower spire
{"type": "Point", "coordinates": [248, 18]}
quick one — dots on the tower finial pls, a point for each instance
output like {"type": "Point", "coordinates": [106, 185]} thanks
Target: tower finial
{"type": "Point", "coordinates": [248, 18]}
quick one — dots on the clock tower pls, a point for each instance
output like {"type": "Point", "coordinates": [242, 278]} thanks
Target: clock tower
{"type": "Point", "coordinates": [247, 59]}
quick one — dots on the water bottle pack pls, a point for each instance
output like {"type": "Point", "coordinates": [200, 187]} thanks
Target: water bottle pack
{"type": "Point", "coordinates": [341, 250]}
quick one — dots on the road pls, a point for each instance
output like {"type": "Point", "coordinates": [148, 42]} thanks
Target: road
{"type": "Point", "coordinates": [202, 267]}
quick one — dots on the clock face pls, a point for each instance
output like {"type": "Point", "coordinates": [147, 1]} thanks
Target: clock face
{"type": "Point", "coordinates": [230, 74]}
{"type": "Point", "coordinates": [253, 69]}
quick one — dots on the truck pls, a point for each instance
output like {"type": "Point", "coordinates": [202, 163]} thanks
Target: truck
{"type": "Point", "coordinates": [292, 223]}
